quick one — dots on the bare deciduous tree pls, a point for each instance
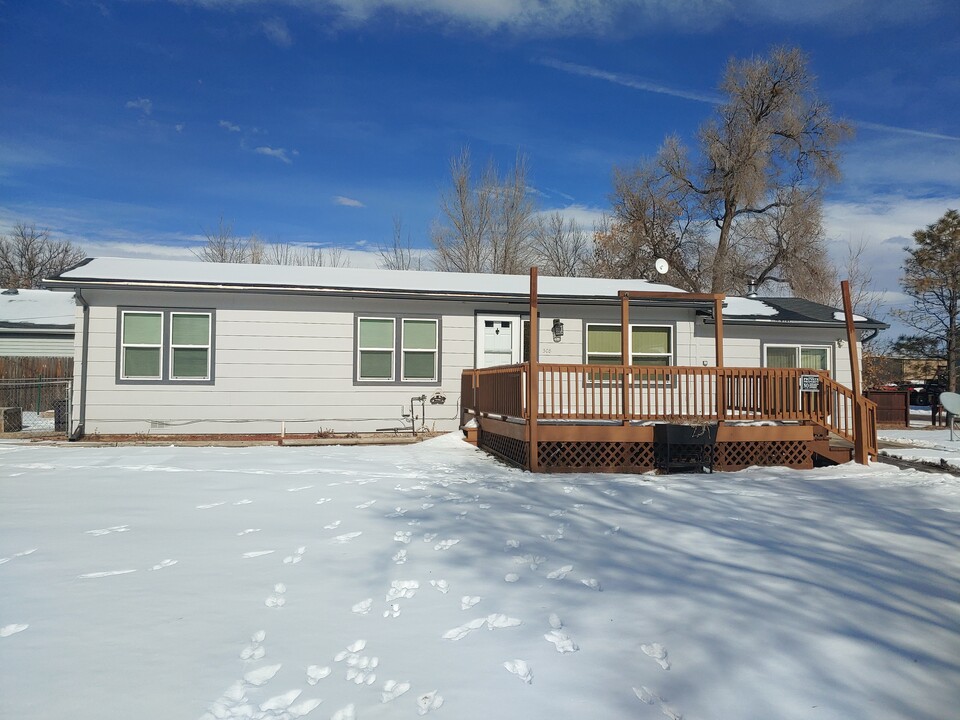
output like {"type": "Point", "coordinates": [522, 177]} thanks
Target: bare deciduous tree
{"type": "Point", "coordinates": [28, 255]}
{"type": "Point", "coordinates": [560, 246]}
{"type": "Point", "coordinates": [486, 225]}
{"type": "Point", "coordinates": [400, 254]}
{"type": "Point", "coordinates": [223, 245]}
{"type": "Point", "coordinates": [771, 145]}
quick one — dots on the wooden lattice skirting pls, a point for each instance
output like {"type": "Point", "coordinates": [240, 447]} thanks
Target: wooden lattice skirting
{"type": "Point", "coordinates": [639, 457]}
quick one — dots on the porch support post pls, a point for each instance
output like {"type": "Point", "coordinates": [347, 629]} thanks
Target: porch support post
{"type": "Point", "coordinates": [718, 356]}
{"type": "Point", "coordinates": [625, 354]}
{"type": "Point", "coordinates": [533, 376]}
{"type": "Point", "coordinates": [860, 453]}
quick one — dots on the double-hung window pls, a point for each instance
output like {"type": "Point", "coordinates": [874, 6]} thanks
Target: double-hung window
{"type": "Point", "coordinates": [169, 346]}
{"type": "Point", "coordinates": [397, 350]}
{"type": "Point", "coordinates": [142, 345]}
{"type": "Point", "coordinates": [807, 357]}
{"type": "Point", "coordinates": [649, 345]}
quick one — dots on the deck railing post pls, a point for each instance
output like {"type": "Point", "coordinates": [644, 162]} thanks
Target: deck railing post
{"type": "Point", "coordinates": [625, 355]}
{"type": "Point", "coordinates": [533, 372]}
{"type": "Point", "coordinates": [861, 453]}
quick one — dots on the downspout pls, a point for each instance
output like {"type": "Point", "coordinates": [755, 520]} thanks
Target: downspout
{"type": "Point", "coordinates": [77, 434]}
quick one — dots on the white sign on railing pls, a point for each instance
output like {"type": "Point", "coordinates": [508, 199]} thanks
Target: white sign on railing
{"type": "Point", "coordinates": [809, 383]}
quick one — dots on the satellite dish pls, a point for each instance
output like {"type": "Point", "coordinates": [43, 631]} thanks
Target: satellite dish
{"type": "Point", "coordinates": [662, 266]}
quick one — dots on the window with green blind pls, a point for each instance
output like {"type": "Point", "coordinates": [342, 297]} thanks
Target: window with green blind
{"type": "Point", "coordinates": [394, 350]}
{"type": "Point", "coordinates": [142, 343]}
{"type": "Point", "coordinates": [375, 346]}
{"type": "Point", "coordinates": [649, 345]}
{"type": "Point", "coordinates": [419, 350]}
{"type": "Point", "coordinates": [797, 356]}
{"type": "Point", "coordinates": [189, 346]}
{"type": "Point", "coordinates": [168, 346]}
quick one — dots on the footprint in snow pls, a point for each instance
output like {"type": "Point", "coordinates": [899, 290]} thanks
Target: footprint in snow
{"type": "Point", "coordinates": [511, 577]}
{"type": "Point", "coordinates": [255, 650]}
{"type": "Point", "coordinates": [211, 505]}
{"type": "Point", "coordinates": [332, 526]}
{"type": "Point", "coordinates": [316, 673]}
{"type": "Point", "coordinates": [296, 557]}
{"type": "Point", "coordinates": [468, 601]}
{"type": "Point", "coordinates": [592, 583]}
{"type": "Point", "coordinates": [13, 629]}
{"type": "Point", "coordinates": [321, 501]}
{"type": "Point", "coordinates": [392, 611]}
{"type": "Point", "coordinates": [521, 669]}
{"type": "Point", "coordinates": [256, 553]}
{"type": "Point", "coordinates": [429, 537]}
{"type": "Point", "coordinates": [647, 502]}
{"type": "Point", "coordinates": [347, 712]}
{"type": "Point", "coordinates": [364, 506]}
{"type": "Point", "coordinates": [646, 695]}
{"type": "Point", "coordinates": [280, 702]}
{"type": "Point", "coordinates": [392, 690]}
{"type": "Point", "coordinates": [612, 531]}
{"type": "Point", "coordinates": [164, 564]}
{"type": "Point", "coordinates": [658, 652]}
{"type": "Point", "coordinates": [106, 573]}
{"type": "Point", "coordinates": [108, 530]}
{"type": "Point", "coordinates": [248, 531]}
{"type": "Point", "coordinates": [512, 544]}
{"type": "Point", "coordinates": [555, 622]}
{"type": "Point", "coordinates": [397, 512]}
{"type": "Point", "coordinates": [446, 544]}
{"type": "Point", "coordinates": [402, 589]}
{"type": "Point", "coordinates": [491, 622]}
{"type": "Point", "coordinates": [362, 607]}
{"type": "Point", "coordinates": [304, 707]}
{"type": "Point", "coordinates": [400, 557]}
{"type": "Point", "coordinates": [277, 600]}
{"type": "Point", "coordinates": [245, 501]}
{"type": "Point", "coordinates": [262, 675]}
{"type": "Point", "coordinates": [559, 573]}
{"type": "Point", "coordinates": [402, 537]}
{"type": "Point", "coordinates": [441, 585]}
{"type": "Point", "coordinates": [31, 551]}
{"type": "Point", "coordinates": [346, 537]}
{"type": "Point", "coordinates": [298, 489]}
{"type": "Point", "coordinates": [429, 701]}
{"type": "Point", "coordinates": [561, 641]}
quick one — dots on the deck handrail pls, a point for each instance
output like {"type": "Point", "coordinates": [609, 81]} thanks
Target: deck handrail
{"type": "Point", "coordinates": [672, 393]}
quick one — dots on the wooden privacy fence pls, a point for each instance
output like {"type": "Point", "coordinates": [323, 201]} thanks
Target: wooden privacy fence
{"type": "Point", "coordinates": [619, 393]}
{"type": "Point", "coordinates": [33, 368]}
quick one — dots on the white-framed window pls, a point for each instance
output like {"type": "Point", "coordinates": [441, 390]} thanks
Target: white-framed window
{"type": "Point", "coordinates": [165, 346]}
{"type": "Point", "coordinates": [376, 340]}
{"type": "Point", "coordinates": [806, 357]}
{"type": "Point", "coordinates": [649, 344]}
{"type": "Point", "coordinates": [419, 349]}
{"type": "Point", "coordinates": [141, 338]}
{"type": "Point", "coordinates": [394, 350]}
{"type": "Point", "coordinates": [190, 346]}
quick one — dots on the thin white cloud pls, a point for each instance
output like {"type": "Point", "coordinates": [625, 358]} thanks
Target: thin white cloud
{"type": "Point", "coordinates": [347, 201]}
{"type": "Point", "coordinates": [229, 126]}
{"type": "Point", "coordinates": [904, 131]}
{"type": "Point", "coordinates": [277, 32]}
{"type": "Point", "coordinates": [179, 127]}
{"type": "Point", "coordinates": [589, 218]}
{"type": "Point", "coordinates": [278, 153]}
{"type": "Point", "coordinates": [627, 81]}
{"type": "Point", "coordinates": [144, 105]}
{"type": "Point", "coordinates": [605, 17]}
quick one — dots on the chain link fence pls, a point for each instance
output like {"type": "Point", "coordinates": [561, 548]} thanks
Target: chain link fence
{"type": "Point", "coordinates": [35, 406]}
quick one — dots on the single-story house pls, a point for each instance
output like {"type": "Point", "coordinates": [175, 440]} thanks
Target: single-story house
{"type": "Point", "coordinates": [206, 348]}
{"type": "Point", "coordinates": [36, 333]}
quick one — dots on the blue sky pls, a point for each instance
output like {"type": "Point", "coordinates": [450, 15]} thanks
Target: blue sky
{"type": "Point", "coordinates": [131, 126]}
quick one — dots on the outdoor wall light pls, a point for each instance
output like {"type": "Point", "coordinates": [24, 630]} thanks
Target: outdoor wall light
{"type": "Point", "coordinates": [840, 342]}
{"type": "Point", "coordinates": [557, 330]}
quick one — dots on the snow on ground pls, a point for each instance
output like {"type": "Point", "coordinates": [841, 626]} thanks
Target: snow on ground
{"type": "Point", "coordinates": [927, 446]}
{"type": "Point", "coordinates": [394, 582]}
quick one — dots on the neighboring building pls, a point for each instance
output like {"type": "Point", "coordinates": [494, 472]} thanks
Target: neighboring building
{"type": "Point", "coordinates": [36, 333]}
{"type": "Point", "coordinates": [205, 348]}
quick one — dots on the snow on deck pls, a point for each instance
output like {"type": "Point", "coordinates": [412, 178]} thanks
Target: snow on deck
{"type": "Point", "coordinates": [38, 307]}
{"type": "Point", "coordinates": [395, 582]}
{"type": "Point", "coordinates": [187, 272]}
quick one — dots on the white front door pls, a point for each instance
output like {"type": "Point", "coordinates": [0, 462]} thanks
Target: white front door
{"type": "Point", "coordinates": [498, 340]}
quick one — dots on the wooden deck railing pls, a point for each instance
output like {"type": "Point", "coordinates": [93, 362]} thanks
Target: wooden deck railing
{"type": "Point", "coordinates": [677, 394]}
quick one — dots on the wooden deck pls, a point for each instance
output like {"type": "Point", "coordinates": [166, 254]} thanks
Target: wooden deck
{"type": "Point", "coordinates": [605, 418]}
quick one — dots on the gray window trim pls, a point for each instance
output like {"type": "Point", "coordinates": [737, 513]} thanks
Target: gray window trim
{"type": "Point", "coordinates": [651, 324]}
{"type": "Point", "coordinates": [397, 380]}
{"type": "Point", "coordinates": [165, 346]}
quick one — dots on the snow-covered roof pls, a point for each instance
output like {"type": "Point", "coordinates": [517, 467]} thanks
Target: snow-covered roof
{"type": "Point", "coordinates": [181, 273]}
{"type": "Point", "coordinates": [33, 308]}
{"type": "Point", "coordinates": [737, 306]}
